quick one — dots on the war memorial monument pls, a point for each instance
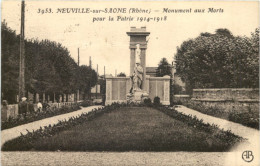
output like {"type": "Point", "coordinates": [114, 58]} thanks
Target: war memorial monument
{"type": "Point", "coordinates": [137, 86]}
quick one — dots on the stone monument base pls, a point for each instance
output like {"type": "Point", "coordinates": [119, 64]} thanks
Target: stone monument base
{"type": "Point", "coordinates": [137, 96]}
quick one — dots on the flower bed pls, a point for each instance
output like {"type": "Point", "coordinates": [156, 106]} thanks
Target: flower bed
{"type": "Point", "coordinates": [65, 131]}
{"type": "Point", "coordinates": [247, 118]}
{"type": "Point", "coordinates": [13, 122]}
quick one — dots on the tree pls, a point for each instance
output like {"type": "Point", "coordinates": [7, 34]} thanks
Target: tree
{"type": "Point", "coordinates": [49, 68]}
{"type": "Point", "coordinates": [164, 68]}
{"type": "Point", "coordinates": [87, 78]}
{"type": "Point", "coordinates": [121, 75]}
{"type": "Point", "coordinates": [224, 32]}
{"type": "Point", "coordinates": [9, 63]}
{"type": "Point", "coordinates": [219, 60]}
{"type": "Point", "coordinates": [177, 89]}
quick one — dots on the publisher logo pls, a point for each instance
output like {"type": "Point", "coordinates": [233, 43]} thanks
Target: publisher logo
{"type": "Point", "coordinates": [248, 156]}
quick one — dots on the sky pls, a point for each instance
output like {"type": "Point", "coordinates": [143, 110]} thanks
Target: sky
{"type": "Point", "coordinates": [107, 42]}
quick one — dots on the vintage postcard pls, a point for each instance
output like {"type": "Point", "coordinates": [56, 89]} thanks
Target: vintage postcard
{"type": "Point", "coordinates": [129, 83]}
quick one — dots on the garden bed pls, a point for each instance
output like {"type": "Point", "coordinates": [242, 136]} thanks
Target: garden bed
{"type": "Point", "coordinates": [247, 118]}
{"type": "Point", "coordinates": [13, 122]}
{"type": "Point", "coordinates": [123, 128]}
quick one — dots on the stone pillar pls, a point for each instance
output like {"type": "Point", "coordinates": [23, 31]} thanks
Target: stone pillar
{"type": "Point", "coordinates": [43, 97]}
{"type": "Point", "coordinates": [108, 90]}
{"type": "Point", "coordinates": [73, 97]}
{"type": "Point", "coordinates": [37, 98]}
{"type": "Point", "coordinates": [77, 95]}
{"type": "Point", "coordinates": [143, 64]}
{"type": "Point", "coordinates": [60, 98]}
{"type": "Point", "coordinates": [132, 58]}
{"type": "Point", "coordinates": [166, 86]}
{"type": "Point", "coordinates": [64, 97]}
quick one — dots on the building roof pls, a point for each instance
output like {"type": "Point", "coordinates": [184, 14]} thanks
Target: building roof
{"type": "Point", "coordinates": [151, 69]}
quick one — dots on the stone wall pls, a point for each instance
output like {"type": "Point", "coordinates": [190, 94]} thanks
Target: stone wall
{"type": "Point", "coordinates": [12, 110]}
{"type": "Point", "coordinates": [178, 99]}
{"type": "Point", "coordinates": [117, 88]}
{"type": "Point", "coordinates": [228, 99]}
{"type": "Point", "coordinates": [160, 86]}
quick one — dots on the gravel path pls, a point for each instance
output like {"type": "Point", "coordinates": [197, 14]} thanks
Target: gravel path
{"type": "Point", "coordinates": [12, 133]}
{"type": "Point", "coordinates": [112, 158]}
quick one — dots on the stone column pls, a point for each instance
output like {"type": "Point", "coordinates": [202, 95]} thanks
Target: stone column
{"type": "Point", "coordinates": [43, 97]}
{"type": "Point", "coordinates": [60, 99]}
{"type": "Point", "coordinates": [132, 58]}
{"type": "Point", "coordinates": [37, 98]}
{"type": "Point", "coordinates": [143, 64]}
{"type": "Point", "coordinates": [77, 95]}
{"type": "Point", "coordinates": [65, 98]}
{"type": "Point", "coordinates": [108, 90]}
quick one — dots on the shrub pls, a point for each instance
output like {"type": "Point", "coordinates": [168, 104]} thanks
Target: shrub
{"type": "Point", "coordinates": [86, 103]}
{"type": "Point", "coordinates": [178, 102]}
{"type": "Point", "coordinates": [12, 122]}
{"type": "Point", "coordinates": [156, 101]}
{"type": "Point", "coordinates": [247, 117]}
{"type": "Point", "coordinates": [148, 102]}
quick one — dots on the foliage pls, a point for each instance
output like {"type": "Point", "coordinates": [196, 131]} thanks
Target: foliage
{"type": "Point", "coordinates": [49, 67]}
{"type": "Point", "coordinates": [148, 102]}
{"type": "Point", "coordinates": [245, 117]}
{"type": "Point", "coordinates": [227, 136]}
{"type": "Point", "coordinates": [102, 83]}
{"type": "Point", "coordinates": [188, 138]}
{"type": "Point", "coordinates": [178, 102]}
{"type": "Point", "coordinates": [219, 60]}
{"type": "Point", "coordinates": [10, 63]}
{"type": "Point", "coordinates": [86, 103]}
{"type": "Point", "coordinates": [156, 101]}
{"type": "Point", "coordinates": [164, 68]}
{"type": "Point", "coordinates": [121, 75]}
{"type": "Point", "coordinates": [87, 78]}
{"type": "Point", "coordinates": [26, 141]}
{"type": "Point", "coordinates": [249, 118]}
{"type": "Point", "coordinates": [12, 122]}
{"type": "Point", "coordinates": [177, 89]}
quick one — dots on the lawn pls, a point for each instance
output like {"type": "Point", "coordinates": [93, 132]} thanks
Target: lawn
{"type": "Point", "coordinates": [133, 129]}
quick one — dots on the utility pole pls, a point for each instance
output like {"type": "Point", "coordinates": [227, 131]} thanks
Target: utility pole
{"type": "Point", "coordinates": [104, 72]}
{"type": "Point", "coordinates": [115, 73]}
{"type": "Point", "coordinates": [78, 56]}
{"type": "Point", "coordinates": [97, 81]}
{"type": "Point", "coordinates": [103, 87]}
{"type": "Point", "coordinates": [77, 98]}
{"type": "Point", "coordinates": [22, 57]}
{"type": "Point", "coordinates": [90, 63]}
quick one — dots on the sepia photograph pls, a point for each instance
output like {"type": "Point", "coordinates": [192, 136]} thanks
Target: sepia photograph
{"type": "Point", "coordinates": [151, 83]}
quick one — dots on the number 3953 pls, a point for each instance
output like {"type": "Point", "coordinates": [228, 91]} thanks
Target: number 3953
{"type": "Point", "coordinates": [46, 10]}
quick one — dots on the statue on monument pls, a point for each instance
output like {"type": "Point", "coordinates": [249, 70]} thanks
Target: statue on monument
{"type": "Point", "coordinates": [137, 76]}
